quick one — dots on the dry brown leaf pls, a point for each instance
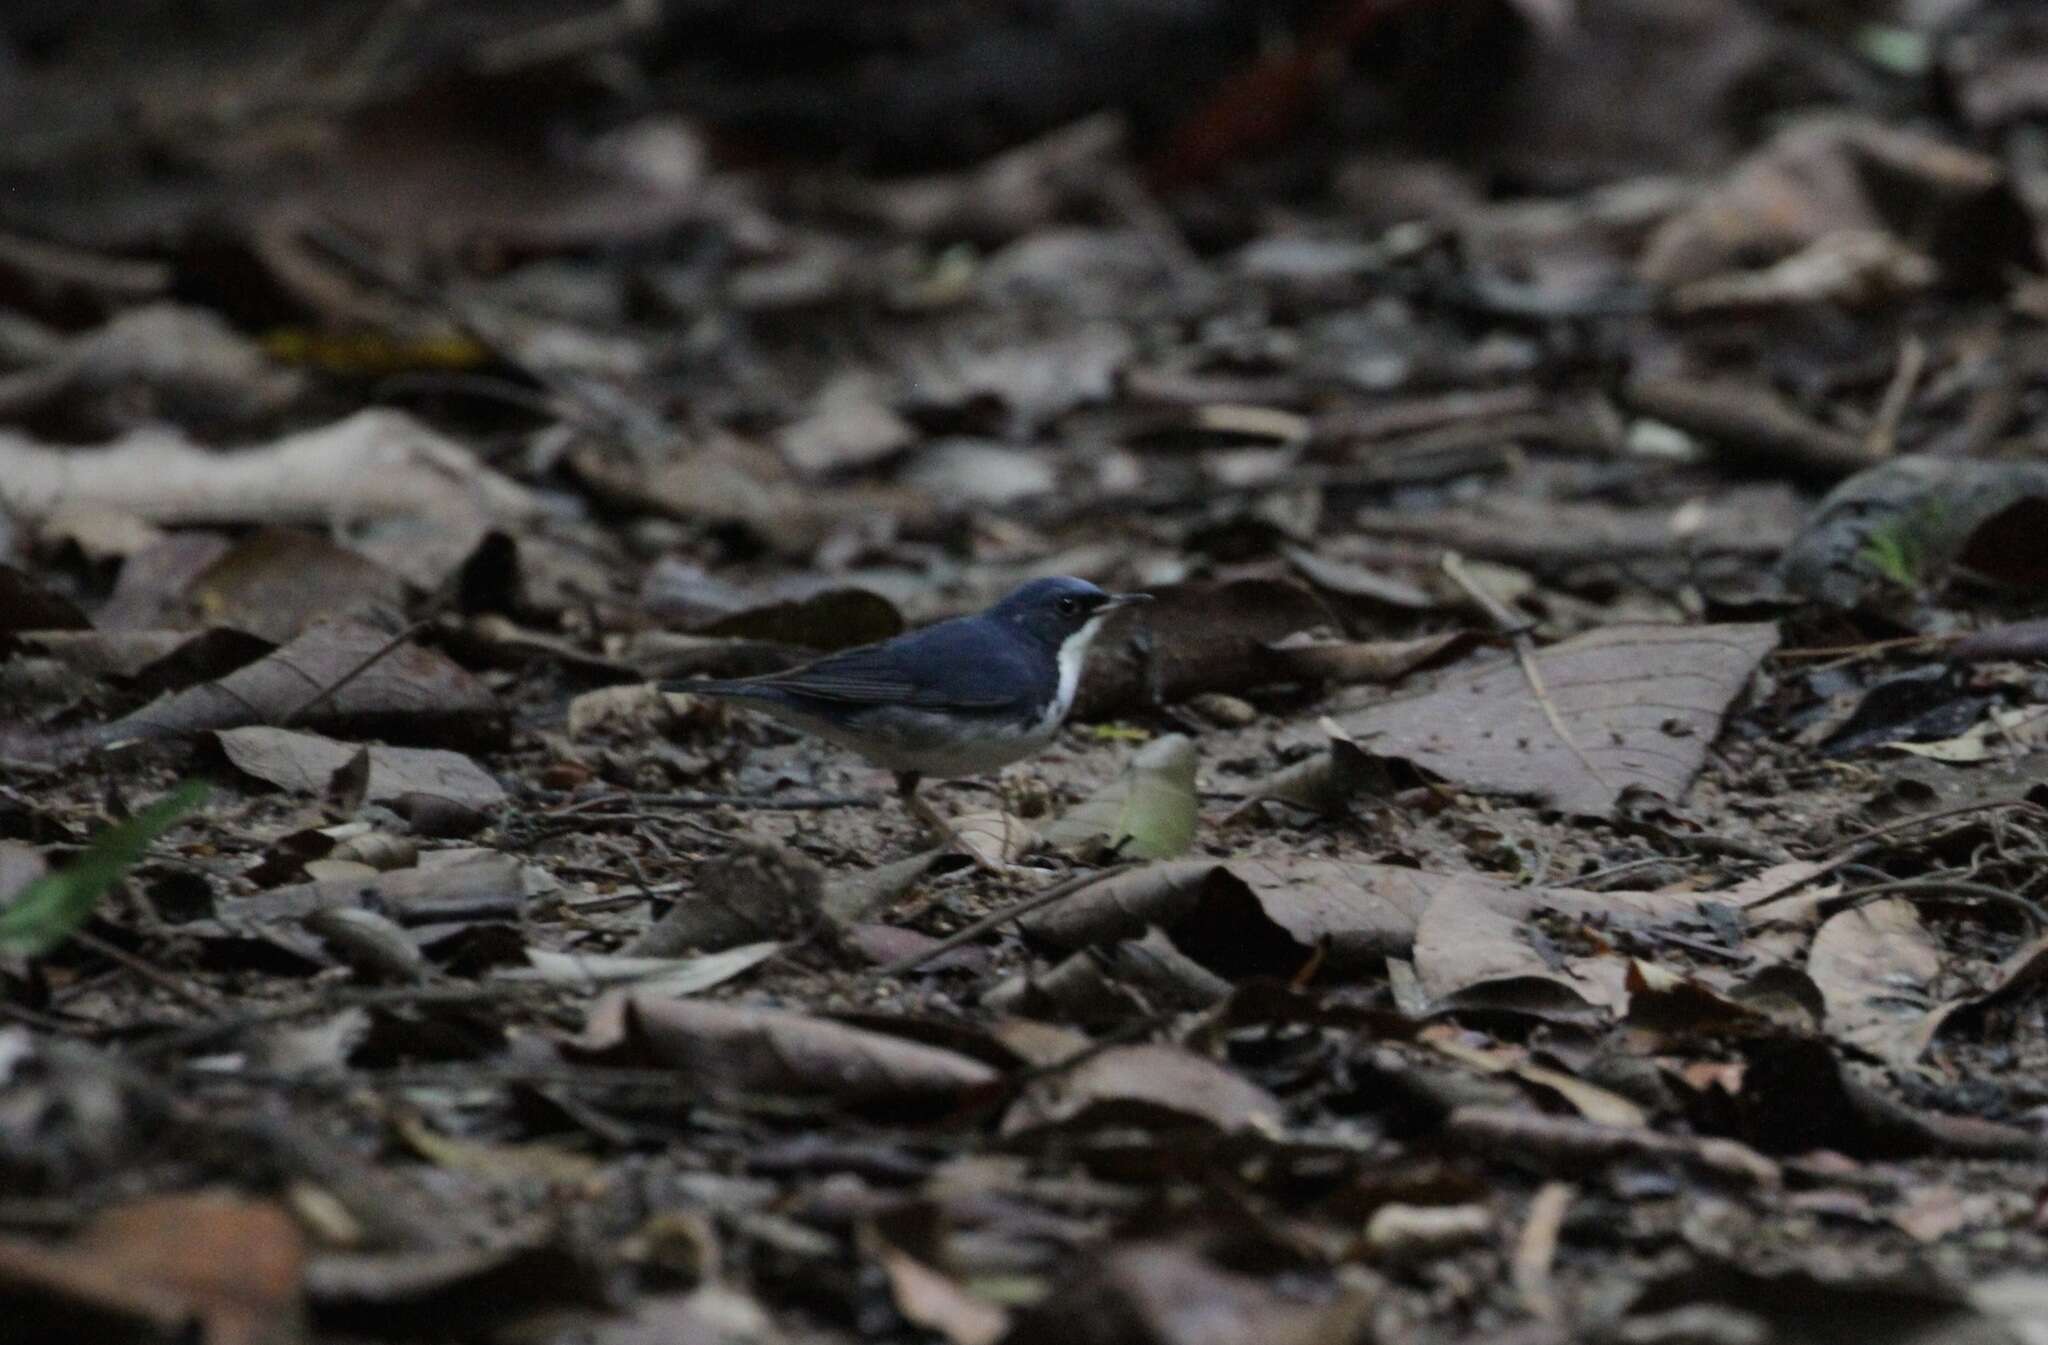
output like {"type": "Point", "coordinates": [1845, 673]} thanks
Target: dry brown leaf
{"type": "Point", "coordinates": [1159, 1293]}
{"type": "Point", "coordinates": [461, 885]}
{"type": "Point", "coordinates": [1345, 662]}
{"type": "Point", "coordinates": [928, 1299]}
{"type": "Point", "coordinates": [1193, 638]}
{"type": "Point", "coordinates": [431, 496]}
{"type": "Point", "coordinates": [281, 580]}
{"type": "Point", "coordinates": [309, 764]}
{"type": "Point", "coordinates": [1876, 966]}
{"type": "Point", "coordinates": [409, 693]}
{"type": "Point", "coordinates": [230, 1264]}
{"type": "Point", "coordinates": [745, 1049]}
{"type": "Point", "coordinates": [1149, 1085]}
{"type": "Point", "coordinates": [1623, 707]}
{"type": "Point", "coordinates": [1122, 905]}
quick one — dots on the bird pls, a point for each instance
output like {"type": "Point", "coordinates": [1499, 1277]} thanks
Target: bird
{"type": "Point", "coordinates": [961, 697]}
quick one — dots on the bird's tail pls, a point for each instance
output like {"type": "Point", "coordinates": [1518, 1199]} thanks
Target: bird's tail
{"type": "Point", "coordinates": [732, 689]}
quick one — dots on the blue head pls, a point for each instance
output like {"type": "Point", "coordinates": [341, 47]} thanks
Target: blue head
{"type": "Point", "coordinates": [1054, 611]}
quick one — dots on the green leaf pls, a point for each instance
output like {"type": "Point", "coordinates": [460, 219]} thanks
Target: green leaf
{"type": "Point", "coordinates": [50, 909]}
{"type": "Point", "coordinates": [1148, 812]}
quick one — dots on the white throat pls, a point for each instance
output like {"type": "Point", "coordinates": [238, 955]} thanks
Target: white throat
{"type": "Point", "coordinates": [1073, 653]}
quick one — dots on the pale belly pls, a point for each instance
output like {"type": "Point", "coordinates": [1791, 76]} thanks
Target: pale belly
{"type": "Point", "coordinates": [920, 742]}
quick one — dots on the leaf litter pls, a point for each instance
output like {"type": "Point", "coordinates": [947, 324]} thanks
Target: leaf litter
{"type": "Point", "coordinates": [1657, 956]}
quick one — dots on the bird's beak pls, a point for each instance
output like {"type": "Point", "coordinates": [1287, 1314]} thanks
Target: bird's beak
{"type": "Point", "coordinates": [1117, 600]}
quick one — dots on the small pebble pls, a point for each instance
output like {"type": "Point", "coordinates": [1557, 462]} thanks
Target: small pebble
{"type": "Point", "coordinates": [1224, 711]}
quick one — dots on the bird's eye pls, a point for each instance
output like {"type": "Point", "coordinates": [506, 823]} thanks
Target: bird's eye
{"type": "Point", "coordinates": [1069, 606]}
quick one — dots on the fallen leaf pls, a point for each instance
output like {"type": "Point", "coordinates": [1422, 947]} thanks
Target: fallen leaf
{"type": "Point", "coordinates": [1305, 658]}
{"type": "Point", "coordinates": [232, 1265]}
{"type": "Point", "coordinates": [1148, 812]}
{"type": "Point", "coordinates": [848, 425]}
{"type": "Point", "coordinates": [161, 362]}
{"type": "Point", "coordinates": [779, 1053]}
{"type": "Point", "coordinates": [1141, 1085]}
{"type": "Point", "coordinates": [327, 678]}
{"type": "Point", "coordinates": [1194, 638]}
{"type": "Point", "coordinates": [929, 1300]}
{"type": "Point", "coordinates": [2004, 732]}
{"type": "Point", "coordinates": [281, 580]}
{"type": "Point", "coordinates": [676, 976]}
{"type": "Point", "coordinates": [376, 467]}
{"type": "Point", "coordinates": [25, 604]}
{"type": "Point", "coordinates": [1356, 581]}
{"type": "Point", "coordinates": [1621, 707]}
{"type": "Point", "coordinates": [993, 838]}
{"type": "Point", "coordinates": [310, 764]}
{"type": "Point", "coordinates": [1876, 966]}
{"type": "Point", "coordinates": [1159, 1293]}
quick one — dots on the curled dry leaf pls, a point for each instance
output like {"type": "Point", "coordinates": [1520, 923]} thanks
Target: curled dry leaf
{"type": "Point", "coordinates": [1147, 1085]}
{"type": "Point", "coordinates": [1306, 658]}
{"type": "Point", "coordinates": [1623, 707]}
{"type": "Point", "coordinates": [1250, 917]}
{"type": "Point", "coordinates": [1194, 638]}
{"type": "Point", "coordinates": [1147, 812]}
{"type": "Point", "coordinates": [308, 763]}
{"type": "Point", "coordinates": [675, 976]}
{"type": "Point", "coordinates": [779, 1053]}
{"type": "Point", "coordinates": [1324, 783]}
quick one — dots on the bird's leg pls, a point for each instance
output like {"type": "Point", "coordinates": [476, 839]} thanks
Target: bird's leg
{"type": "Point", "coordinates": [906, 789]}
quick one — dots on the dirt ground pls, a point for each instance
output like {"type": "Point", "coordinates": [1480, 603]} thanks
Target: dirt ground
{"type": "Point", "coordinates": [1560, 858]}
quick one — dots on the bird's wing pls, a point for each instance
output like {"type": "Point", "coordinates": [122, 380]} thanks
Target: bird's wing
{"type": "Point", "coordinates": [954, 665]}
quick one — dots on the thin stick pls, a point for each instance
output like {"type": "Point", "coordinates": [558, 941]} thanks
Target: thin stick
{"type": "Point", "coordinates": [988, 922]}
{"type": "Point", "coordinates": [1525, 653]}
{"type": "Point", "coordinates": [1883, 439]}
{"type": "Point", "coordinates": [745, 802]}
{"type": "Point", "coordinates": [372, 660]}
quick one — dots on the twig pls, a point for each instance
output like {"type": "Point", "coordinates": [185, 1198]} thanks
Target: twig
{"type": "Point", "coordinates": [148, 971]}
{"type": "Point", "coordinates": [1950, 887]}
{"type": "Point", "coordinates": [370, 661]}
{"type": "Point", "coordinates": [744, 802]}
{"type": "Point", "coordinates": [1525, 653]}
{"type": "Point", "coordinates": [1883, 439]}
{"type": "Point", "coordinates": [1017, 911]}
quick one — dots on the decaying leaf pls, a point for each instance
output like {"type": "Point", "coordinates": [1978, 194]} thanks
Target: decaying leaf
{"type": "Point", "coordinates": [930, 1300]}
{"type": "Point", "coordinates": [1193, 638]}
{"type": "Point", "coordinates": [1876, 965]}
{"type": "Point", "coordinates": [376, 467]}
{"type": "Point", "coordinates": [779, 1053]}
{"type": "Point", "coordinates": [310, 764]}
{"type": "Point", "coordinates": [1148, 812]}
{"type": "Point", "coordinates": [1618, 708]}
{"type": "Point", "coordinates": [1157, 1085]}
{"type": "Point", "coordinates": [646, 975]}
{"type": "Point", "coordinates": [351, 678]}
{"type": "Point", "coordinates": [281, 580]}
{"type": "Point", "coordinates": [231, 1265]}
